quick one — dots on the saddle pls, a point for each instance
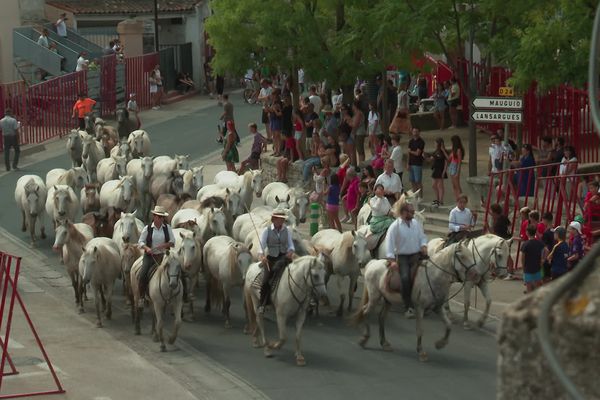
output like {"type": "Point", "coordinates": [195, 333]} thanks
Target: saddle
{"type": "Point", "coordinates": [393, 283]}
{"type": "Point", "coordinates": [374, 240]}
{"type": "Point", "coordinates": [273, 283]}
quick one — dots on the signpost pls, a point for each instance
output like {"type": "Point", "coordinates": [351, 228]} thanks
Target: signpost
{"type": "Point", "coordinates": [503, 117]}
{"type": "Point", "coordinates": [498, 103]}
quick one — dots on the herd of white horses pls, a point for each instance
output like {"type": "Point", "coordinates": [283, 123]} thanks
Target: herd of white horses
{"type": "Point", "coordinates": [216, 231]}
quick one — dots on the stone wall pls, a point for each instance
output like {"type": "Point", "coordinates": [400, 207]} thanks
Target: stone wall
{"type": "Point", "coordinates": [523, 372]}
{"type": "Point", "coordinates": [269, 168]}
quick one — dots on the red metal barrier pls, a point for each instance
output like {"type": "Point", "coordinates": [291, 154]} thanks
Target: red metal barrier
{"type": "Point", "coordinates": [108, 85]}
{"type": "Point", "coordinates": [44, 110]}
{"type": "Point", "coordinates": [137, 72]}
{"type": "Point", "coordinates": [10, 267]}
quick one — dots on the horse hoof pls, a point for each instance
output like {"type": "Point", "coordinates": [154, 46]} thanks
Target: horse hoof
{"type": "Point", "coordinates": [255, 344]}
{"type": "Point", "coordinates": [467, 326]}
{"type": "Point", "coordinates": [246, 330]}
{"type": "Point", "coordinates": [268, 352]}
{"type": "Point", "coordinates": [275, 346]}
{"type": "Point", "coordinates": [423, 357]}
{"type": "Point", "coordinates": [440, 344]}
{"type": "Point", "coordinates": [480, 323]}
{"type": "Point", "coordinates": [163, 348]}
{"type": "Point", "coordinates": [98, 324]}
{"type": "Point", "coordinates": [300, 362]}
{"type": "Point", "coordinates": [81, 310]}
{"type": "Point", "coordinates": [155, 338]}
{"type": "Point", "coordinates": [363, 341]}
{"type": "Point", "coordinates": [339, 313]}
{"type": "Point", "coordinates": [227, 325]}
{"type": "Point", "coordinates": [43, 235]}
{"type": "Point", "coordinates": [206, 309]}
{"type": "Point", "coordinates": [387, 347]}
{"type": "Point", "coordinates": [172, 340]}
{"type": "Point", "coordinates": [137, 332]}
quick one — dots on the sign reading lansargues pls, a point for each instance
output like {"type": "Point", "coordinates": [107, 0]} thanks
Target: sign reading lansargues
{"type": "Point", "coordinates": [503, 117]}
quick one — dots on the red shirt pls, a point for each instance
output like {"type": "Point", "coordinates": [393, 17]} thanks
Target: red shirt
{"type": "Point", "coordinates": [523, 230]}
{"type": "Point", "coordinates": [539, 231]}
{"type": "Point", "coordinates": [83, 107]}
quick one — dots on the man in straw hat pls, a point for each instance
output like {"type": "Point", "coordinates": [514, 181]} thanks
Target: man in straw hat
{"type": "Point", "coordinates": [155, 239]}
{"type": "Point", "coordinates": [276, 241]}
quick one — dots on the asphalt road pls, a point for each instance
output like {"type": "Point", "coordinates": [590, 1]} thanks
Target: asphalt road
{"type": "Point", "coordinates": [337, 368]}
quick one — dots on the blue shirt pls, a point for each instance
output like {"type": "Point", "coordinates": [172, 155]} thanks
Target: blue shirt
{"type": "Point", "coordinates": [333, 197]}
{"type": "Point", "coordinates": [559, 258]}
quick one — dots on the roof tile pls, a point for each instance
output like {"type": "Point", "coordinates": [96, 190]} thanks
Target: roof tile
{"type": "Point", "coordinates": [122, 6]}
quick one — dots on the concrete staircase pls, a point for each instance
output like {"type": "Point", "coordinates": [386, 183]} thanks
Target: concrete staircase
{"type": "Point", "coordinates": [436, 219]}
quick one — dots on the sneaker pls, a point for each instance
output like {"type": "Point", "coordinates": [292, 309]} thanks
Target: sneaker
{"type": "Point", "coordinates": [260, 310]}
{"type": "Point", "coordinates": [219, 140]}
{"type": "Point", "coordinates": [155, 108]}
{"type": "Point", "coordinates": [508, 277]}
{"type": "Point", "coordinates": [409, 314]}
{"type": "Point", "coordinates": [16, 168]}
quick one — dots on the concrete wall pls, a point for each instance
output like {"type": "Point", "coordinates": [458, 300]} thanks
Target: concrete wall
{"type": "Point", "coordinates": [32, 10]}
{"type": "Point", "coordinates": [10, 18]}
{"type": "Point", "coordinates": [294, 174]}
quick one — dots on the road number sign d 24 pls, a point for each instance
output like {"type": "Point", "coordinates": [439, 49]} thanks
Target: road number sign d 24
{"type": "Point", "coordinates": [506, 91]}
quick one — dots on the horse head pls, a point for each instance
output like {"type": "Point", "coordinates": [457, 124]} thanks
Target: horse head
{"type": "Point", "coordinates": [176, 185]}
{"type": "Point", "coordinates": [90, 120]}
{"type": "Point", "coordinates": [182, 161]}
{"type": "Point", "coordinates": [62, 197]}
{"type": "Point", "coordinates": [130, 253]}
{"type": "Point", "coordinates": [198, 177]}
{"type": "Point", "coordinates": [122, 115]}
{"type": "Point", "coordinates": [499, 257]}
{"type": "Point", "coordinates": [217, 221]}
{"type": "Point", "coordinates": [80, 177]}
{"type": "Point", "coordinates": [128, 226]}
{"type": "Point", "coordinates": [127, 188]}
{"type": "Point", "coordinates": [234, 202]}
{"type": "Point", "coordinates": [257, 182]}
{"type": "Point", "coordinates": [188, 249]}
{"type": "Point", "coordinates": [359, 249]}
{"type": "Point", "coordinates": [88, 261]}
{"type": "Point", "coordinates": [146, 163]}
{"type": "Point", "coordinates": [32, 194]}
{"type": "Point", "coordinates": [61, 235]}
{"type": "Point", "coordinates": [173, 269]}
{"type": "Point", "coordinates": [243, 257]}
{"type": "Point", "coordinates": [87, 142]}
{"type": "Point", "coordinates": [74, 140]}
{"type": "Point", "coordinates": [317, 273]}
{"type": "Point", "coordinates": [120, 164]}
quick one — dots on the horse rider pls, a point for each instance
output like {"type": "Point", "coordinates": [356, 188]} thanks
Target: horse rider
{"type": "Point", "coordinates": [155, 239]}
{"type": "Point", "coordinates": [461, 221]}
{"type": "Point", "coordinates": [406, 244]}
{"type": "Point", "coordinates": [276, 240]}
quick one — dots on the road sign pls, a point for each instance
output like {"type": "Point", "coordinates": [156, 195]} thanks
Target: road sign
{"type": "Point", "coordinates": [504, 117]}
{"type": "Point", "coordinates": [499, 103]}
{"type": "Point", "coordinates": [506, 91]}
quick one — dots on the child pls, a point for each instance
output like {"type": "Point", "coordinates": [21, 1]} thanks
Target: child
{"type": "Point", "coordinates": [351, 197]}
{"type": "Point", "coordinates": [524, 223]}
{"type": "Point", "coordinates": [534, 219]}
{"type": "Point", "coordinates": [298, 132]}
{"type": "Point", "coordinates": [559, 254]}
{"type": "Point", "coordinates": [259, 144]}
{"type": "Point", "coordinates": [548, 239]}
{"type": "Point", "coordinates": [290, 155]}
{"type": "Point", "coordinates": [333, 203]}
{"type": "Point", "coordinates": [396, 155]}
{"type": "Point", "coordinates": [576, 245]}
{"type": "Point", "coordinates": [380, 153]}
{"type": "Point", "coordinates": [531, 259]}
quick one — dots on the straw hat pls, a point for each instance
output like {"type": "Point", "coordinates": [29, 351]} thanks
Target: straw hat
{"type": "Point", "coordinates": [160, 211]}
{"type": "Point", "coordinates": [575, 225]}
{"type": "Point", "coordinates": [279, 214]}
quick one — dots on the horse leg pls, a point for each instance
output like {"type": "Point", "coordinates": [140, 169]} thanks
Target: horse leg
{"type": "Point", "coordinates": [32, 230]}
{"type": "Point", "coordinates": [109, 289]}
{"type": "Point", "coordinates": [73, 275]}
{"type": "Point", "coordinates": [385, 345]}
{"type": "Point", "coordinates": [103, 298]}
{"type": "Point", "coordinates": [340, 310]}
{"type": "Point", "coordinates": [419, 317]}
{"type": "Point", "coordinates": [485, 291]}
{"type": "Point", "coordinates": [81, 289]}
{"type": "Point", "coordinates": [353, 279]}
{"type": "Point", "coordinates": [42, 227]}
{"type": "Point", "coordinates": [299, 324]}
{"type": "Point", "coordinates": [281, 328]}
{"type": "Point", "coordinates": [207, 304]}
{"type": "Point", "coordinates": [178, 308]}
{"type": "Point", "coordinates": [467, 301]}
{"type": "Point", "coordinates": [23, 221]}
{"type": "Point", "coordinates": [260, 323]}
{"type": "Point", "coordinates": [226, 306]}
{"type": "Point", "coordinates": [97, 301]}
{"type": "Point", "coordinates": [137, 316]}
{"type": "Point", "coordinates": [440, 344]}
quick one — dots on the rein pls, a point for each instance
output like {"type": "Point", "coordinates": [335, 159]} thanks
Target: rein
{"type": "Point", "coordinates": [175, 292]}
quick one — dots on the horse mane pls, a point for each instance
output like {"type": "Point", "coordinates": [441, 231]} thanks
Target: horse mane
{"type": "Point", "coordinates": [66, 177]}
{"type": "Point", "coordinates": [74, 234]}
{"type": "Point", "coordinates": [30, 186]}
{"type": "Point", "coordinates": [212, 201]}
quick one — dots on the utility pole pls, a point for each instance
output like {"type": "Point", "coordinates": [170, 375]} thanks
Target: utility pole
{"type": "Point", "coordinates": [472, 94]}
{"type": "Point", "coordinates": [156, 25]}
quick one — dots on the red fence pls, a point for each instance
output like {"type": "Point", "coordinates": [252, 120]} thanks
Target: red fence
{"type": "Point", "coordinates": [137, 72]}
{"type": "Point", "coordinates": [562, 111]}
{"type": "Point", "coordinates": [44, 110]}
{"type": "Point", "coordinates": [108, 84]}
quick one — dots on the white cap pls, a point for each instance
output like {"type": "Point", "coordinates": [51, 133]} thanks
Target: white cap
{"type": "Point", "coordinates": [575, 225]}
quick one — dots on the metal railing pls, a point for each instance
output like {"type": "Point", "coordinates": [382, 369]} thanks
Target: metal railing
{"type": "Point", "coordinates": [25, 46]}
{"type": "Point", "coordinates": [75, 41]}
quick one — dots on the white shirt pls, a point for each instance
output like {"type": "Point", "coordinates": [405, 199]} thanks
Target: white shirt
{"type": "Point", "coordinates": [249, 75]}
{"type": "Point", "coordinates": [396, 156]}
{"type": "Point", "coordinates": [562, 169]}
{"type": "Point", "coordinates": [81, 64]}
{"type": "Point", "coordinates": [158, 237]}
{"type": "Point", "coordinates": [402, 239]}
{"type": "Point", "coordinates": [403, 100]}
{"type": "Point", "coordinates": [458, 218]}
{"type": "Point", "coordinates": [132, 105]}
{"type": "Point", "coordinates": [495, 152]}
{"type": "Point", "coordinates": [379, 206]}
{"type": "Point", "coordinates": [264, 235]}
{"type": "Point", "coordinates": [316, 101]}
{"type": "Point", "coordinates": [43, 41]}
{"type": "Point", "coordinates": [61, 28]}
{"type": "Point", "coordinates": [265, 92]}
{"type": "Point", "coordinates": [391, 183]}
{"type": "Point", "coordinates": [300, 75]}
{"type": "Point", "coordinates": [373, 119]}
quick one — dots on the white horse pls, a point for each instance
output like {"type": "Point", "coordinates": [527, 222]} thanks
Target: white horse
{"type": "Point", "coordinates": [490, 253]}
{"type": "Point", "coordinates": [208, 223]}
{"type": "Point", "coordinates": [69, 239]}
{"type": "Point", "coordinates": [164, 288]}
{"type": "Point", "coordinates": [430, 291]}
{"type": "Point", "coordinates": [409, 197]}
{"type": "Point", "coordinates": [75, 147]}
{"type": "Point", "coordinates": [165, 165]}
{"type": "Point", "coordinates": [111, 168]}
{"type": "Point", "coordinates": [188, 247]}
{"type": "Point", "coordinates": [30, 196]}
{"type": "Point", "coordinates": [302, 279]}
{"type": "Point", "coordinates": [250, 182]}
{"type": "Point", "coordinates": [141, 171]}
{"type": "Point", "coordinates": [92, 154]}
{"type": "Point", "coordinates": [100, 266]}
{"type": "Point", "coordinates": [75, 177]}
{"type": "Point", "coordinates": [130, 252]}
{"type": "Point", "coordinates": [275, 192]}
{"type": "Point", "coordinates": [119, 194]}
{"type": "Point", "coordinates": [349, 253]}
{"type": "Point", "coordinates": [193, 180]}
{"type": "Point", "coordinates": [127, 230]}
{"type": "Point", "coordinates": [122, 149]}
{"type": "Point", "coordinates": [226, 262]}
{"type": "Point", "coordinates": [61, 204]}
{"type": "Point", "coordinates": [139, 142]}
{"type": "Point", "coordinates": [229, 197]}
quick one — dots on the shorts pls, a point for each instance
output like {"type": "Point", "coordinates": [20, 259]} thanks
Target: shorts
{"type": "Point", "coordinates": [453, 103]}
{"type": "Point", "coordinates": [438, 174]}
{"type": "Point", "coordinates": [265, 117]}
{"type": "Point", "coordinates": [415, 173]}
{"type": "Point", "coordinates": [153, 89]}
{"type": "Point", "coordinates": [453, 169]}
{"type": "Point", "coordinates": [298, 135]}
{"type": "Point", "coordinates": [360, 144]}
{"type": "Point", "coordinates": [534, 277]}
{"type": "Point", "coordinates": [332, 207]}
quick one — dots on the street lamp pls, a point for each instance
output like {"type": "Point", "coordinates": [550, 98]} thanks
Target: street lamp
{"type": "Point", "coordinates": [156, 25]}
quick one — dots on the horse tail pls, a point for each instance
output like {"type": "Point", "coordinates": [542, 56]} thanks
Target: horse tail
{"type": "Point", "coordinates": [359, 316]}
{"type": "Point", "coordinates": [250, 312]}
{"type": "Point", "coordinates": [216, 292]}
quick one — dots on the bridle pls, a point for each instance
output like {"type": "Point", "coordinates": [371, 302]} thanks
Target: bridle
{"type": "Point", "coordinates": [174, 292]}
{"type": "Point", "coordinates": [494, 253]}
{"type": "Point", "coordinates": [307, 276]}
